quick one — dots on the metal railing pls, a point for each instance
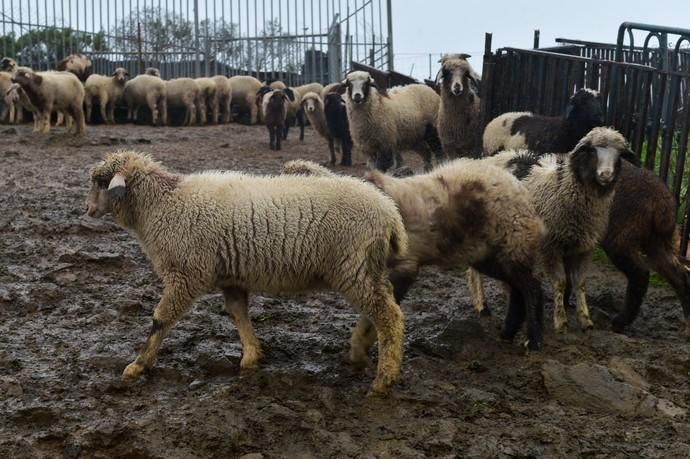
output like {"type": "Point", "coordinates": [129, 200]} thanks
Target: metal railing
{"type": "Point", "coordinates": [295, 40]}
{"type": "Point", "coordinates": [648, 102]}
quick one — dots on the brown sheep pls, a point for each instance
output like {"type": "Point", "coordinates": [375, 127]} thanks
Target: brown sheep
{"type": "Point", "coordinates": [77, 64]}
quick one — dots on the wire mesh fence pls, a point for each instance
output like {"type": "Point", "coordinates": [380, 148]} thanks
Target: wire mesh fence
{"type": "Point", "coordinates": [293, 40]}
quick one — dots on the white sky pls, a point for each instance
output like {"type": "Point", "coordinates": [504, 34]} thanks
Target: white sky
{"type": "Point", "coordinates": [438, 26]}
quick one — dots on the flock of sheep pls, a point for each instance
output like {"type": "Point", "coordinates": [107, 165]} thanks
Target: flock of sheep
{"type": "Point", "coordinates": [527, 205]}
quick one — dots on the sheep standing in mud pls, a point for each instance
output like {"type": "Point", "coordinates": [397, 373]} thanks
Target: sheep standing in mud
{"type": "Point", "coordinates": [458, 115]}
{"type": "Point", "coordinates": [573, 194]}
{"type": "Point", "coordinates": [383, 123]}
{"type": "Point", "coordinates": [462, 214]}
{"type": "Point", "coordinates": [149, 91]}
{"type": "Point", "coordinates": [54, 91]}
{"type": "Point", "coordinates": [108, 91]}
{"type": "Point", "coordinates": [240, 233]}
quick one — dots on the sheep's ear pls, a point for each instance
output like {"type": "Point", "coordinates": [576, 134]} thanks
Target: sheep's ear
{"type": "Point", "coordinates": [372, 83]}
{"type": "Point", "coordinates": [438, 76]}
{"type": "Point", "coordinates": [476, 84]}
{"type": "Point", "coordinates": [114, 73]}
{"type": "Point", "coordinates": [117, 187]}
{"type": "Point", "coordinates": [290, 94]}
{"type": "Point", "coordinates": [376, 178]}
{"type": "Point", "coordinates": [37, 79]}
{"type": "Point", "coordinates": [631, 157]}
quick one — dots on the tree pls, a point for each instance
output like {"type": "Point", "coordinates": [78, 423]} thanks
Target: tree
{"type": "Point", "coordinates": [51, 44]}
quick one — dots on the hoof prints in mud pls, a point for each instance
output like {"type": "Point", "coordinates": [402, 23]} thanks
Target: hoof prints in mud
{"type": "Point", "coordinates": [77, 294]}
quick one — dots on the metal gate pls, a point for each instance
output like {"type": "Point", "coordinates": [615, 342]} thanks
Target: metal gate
{"type": "Point", "coordinates": [293, 40]}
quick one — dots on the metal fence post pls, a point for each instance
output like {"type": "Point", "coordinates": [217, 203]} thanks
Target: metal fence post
{"type": "Point", "coordinates": [391, 59]}
{"type": "Point", "coordinates": [197, 64]}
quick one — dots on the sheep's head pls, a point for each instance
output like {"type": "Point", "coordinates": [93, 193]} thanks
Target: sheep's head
{"type": "Point", "coordinates": [302, 167]}
{"type": "Point", "coordinates": [77, 64]}
{"type": "Point", "coordinates": [333, 99]}
{"type": "Point", "coordinates": [153, 71]}
{"type": "Point", "coordinates": [27, 78]}
{"type": "Point", "coordinates": [311, 102]}
{"type": "Point", "coordinates": [279, 97]}
{"type": "Point", "coordinates": [596, 159]}
{"type": "Point", "coordinates": [110, 178]}
{"type": "Point", "coordinates": [585, 106]}
{"type": "Point", "coordinates": [358, 86]}
{"type": "Point", "coordinates": [7, 64]}
{"type": "Point", "coordinates": [457, 76]}
{"type": "Point", "coordinates": [120, 75]}
{"type": "Point", "coordinates": [263, 90]}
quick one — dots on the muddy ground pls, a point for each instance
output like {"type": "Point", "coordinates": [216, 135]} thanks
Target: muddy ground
{"type": "Point", "coordinates": [77, 294]}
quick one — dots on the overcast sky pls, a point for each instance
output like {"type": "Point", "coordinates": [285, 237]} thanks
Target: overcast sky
{"type": "Point", "coordinates": [437, 26]}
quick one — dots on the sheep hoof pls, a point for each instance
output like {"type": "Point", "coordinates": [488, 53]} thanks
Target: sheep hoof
{"type": "Point", "coordinates": [380, 387]}
{"type": "Point", "coordinates": [532, 345]}
{"type": "Point", "coordinates": [485, 312]}
{"type": "Point", "coordinates": [561, 328]}
{"type": "Point", "coordinates": [132, 372]}
{"type": "Point", "coordinates": [618, 325]}
{"type": "Point", "coordinates": [586, 324]}
{"type": "Point", "coordinates": [250, 359]}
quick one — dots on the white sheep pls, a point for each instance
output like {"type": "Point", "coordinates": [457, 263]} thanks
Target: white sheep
{"type": "Point", "coordinates": [465, 213]}
{"type": "Point", "coordinates": [149, 91]}
{"type": "Point", "coordinates": [224, 92]}
{"type": "Point", "coordinates": [240, 233]}
{"type": "Point", "coordinates": [458, 117]}
{"type": "Point", "coordinates": [384, 123]}
{"type": "Point", "coordinates": [244, 90]}
{"type": "Point", "coordinates": [108, 90]}
{"type": "Point", "coordinates": [77, 64]}
{"type": "Point", "coordinates": [183, 93]}
{"type": "Point", "coordinates": [54, 91]}
{"type": "Point", "coordinates": [208, 99]}
{"type": "Point", "coordinates": [312, 105]}
{"type": "Point", "coordinates": [573, 194]}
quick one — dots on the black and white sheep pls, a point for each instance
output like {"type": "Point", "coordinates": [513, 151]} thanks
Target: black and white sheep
{"type": "Point", "coordinates": [108, 90]}
{"type": "Point", "coordinates": [241, 233]}
{"type": "Point", "coordinates": [573, 194]}
{"type": "Point", "coordinates": [335, 111]}
{"type": "Point", "coordinates": [384, 123]}
{"type": "Point", "coordinates": [458, 117]}
{"type": "Point", "coordinates": [54, 91]}
{"type": "Point", "coordinates": [464, 213]}
{"type": "Point", "coordinates": [551, 134]}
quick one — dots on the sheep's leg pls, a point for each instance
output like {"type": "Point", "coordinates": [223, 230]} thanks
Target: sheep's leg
{"type": "Point", "coordinates": [278, 140]}
{"type": "Point", "coordinates": [558, 280]}
{"type": "Point", "coordinates": [237, 305]}
{"type": "Point", "coordinates": [371, 293]}
{"type": "Point", "coordinates": [216, 112]}
{"type": "Point", "coordinates": [286, 128]}
{"type": "Point", "coordinates": [526, 288]}
{"type": "Point", "coordinates": [347, 153]}
{"type": "Point", "coordinates": [363, 337]}
{"type": "Point", "coordinates": [175, 302]}
{"type": "Point", "coordinates": [77, 112]}
{"type": "Point", "coordinates": [271, 137]}
{"type": "Point", "coordinates": [152, 103]}
{"type": "Point", "coordinates": [162, 111]}
{"type": "Point", "coordinates": [300, 122]}
{"type": "Point", "coordinates": [253, 113]}
{"type": "Point", "coordinates": [575, 267]}
{"type": "Point", "coordinates": [474, 283]}
{"type": "Point", "coordinates": [385, 159]}
{"type": "Point", "coordinates": [192, 114]}
{"type": "Point", "coordinates": [331, 149]}
{"type": "Point", "coordinates": [45, 121]}
{"type": "Point", "coordinates": [665, 262]}
{"type": "Point", "coordinates": [638, 281]}
{"type": "Point", "coordinates": [89, 107]}
{"type": "Point", "coordinates": [104, 106]}
{"type": "Point", "coordinates": [11, 112]}
{"type": "Point", "coordinates": [202, 111]}
{"type": "Point", "coordinates": [111, 112]}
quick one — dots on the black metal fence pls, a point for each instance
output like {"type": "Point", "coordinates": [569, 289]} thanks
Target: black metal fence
{"type": "Point", "coordinates": [645, 92]}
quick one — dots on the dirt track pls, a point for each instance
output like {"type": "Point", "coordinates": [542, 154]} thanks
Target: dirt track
{"type": "Point", "coordinates": [76, 298]}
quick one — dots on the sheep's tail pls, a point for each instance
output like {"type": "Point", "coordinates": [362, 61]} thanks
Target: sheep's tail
{"type": "Point", "coordinates": [398, 241]}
